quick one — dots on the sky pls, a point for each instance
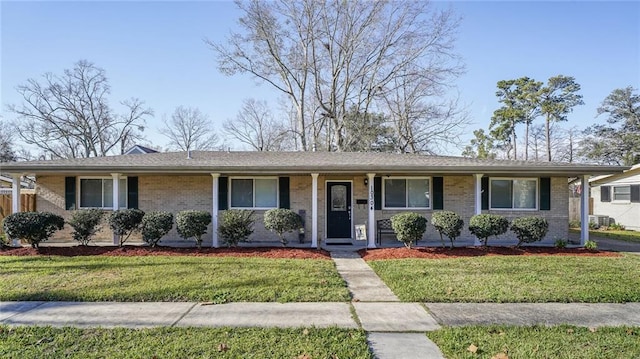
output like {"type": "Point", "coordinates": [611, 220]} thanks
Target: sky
{"type": "Point", "coordinates": [155, 51]}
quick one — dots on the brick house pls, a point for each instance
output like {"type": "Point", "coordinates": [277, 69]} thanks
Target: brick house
{"type": "Point", "coordinates": [333, 191]}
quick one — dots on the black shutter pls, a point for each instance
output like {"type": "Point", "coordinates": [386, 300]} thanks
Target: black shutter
{"type": "Point", "coordinates": [484, 186]}
{"type": "Point", "coordinates": [377, 192]}
{"type": "Point", "coordinates": [635, 193]}
{"type": "Point", "coordinates": [438, 193]}
{"type": "Point", "coordinates": [545, 194]}
{"type": "Point", "coordinates": [69, 193]}
{"type": "Point", "coordinates": [223, 193]}
{"type": "Point", "coordinates": [605, 193]}
{"type": "Point", "coordinates": [283, 185]}
{"type": "Point", "coordinates": [132, 192]}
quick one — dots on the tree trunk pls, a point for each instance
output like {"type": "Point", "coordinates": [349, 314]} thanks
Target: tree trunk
{"type": "Point", "coordinates": [526, 141]}
{"type": "Point", "coordinates": [548, 135]}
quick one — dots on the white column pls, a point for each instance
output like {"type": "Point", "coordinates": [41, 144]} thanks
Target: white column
{"type": "Point", "coordinates": [214, 210]}
{"type": "Point", "coordinates": [314, 210]}
{"type": "Point", "coordinates": [116, 200]}
{"type": "Point", "coordinates": [15, 200]}
{"type": "Point", "coordinates": [584, 210]}
{"type": "Point", "coordinates": [478, 200]}
{"type": "Point", "coordinates": [371, 221]}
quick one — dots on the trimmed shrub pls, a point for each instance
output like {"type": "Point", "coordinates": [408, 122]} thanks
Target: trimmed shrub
{"type": "Point", "coordinates": [560, 243]}
{"type": "Point", "coordinates": [155, 225]}
{"type": "Point", "coordinates": [124, 222]}
{"type": "Point", "coordinates": [591, 245]}
{"type": "Point", "coordinates": [33, 227]}
{"type": "Point", "coordinates": [281, 221]}
{"type": "Point", "coordinates": [409, 227]}
{"type": "Point", "coordinates": [448, 224]}
{"type": "Point", "coordinates": [236, 225]}
{"type": "Point", "coordinates": [85, 224]}
{"type": "Point", "coordinates": [484, 226]}
{"type": "Point", "coordinates": [193, 224]}
{"type": "Point", "coordinates": [529, 229]}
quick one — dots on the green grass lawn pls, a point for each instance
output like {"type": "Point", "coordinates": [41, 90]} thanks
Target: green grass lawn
{"type": "Point", "coordinates": [513, 279]}
{"type": "Point", "coordinates": [627, 236]}
{"type": "Point", "coordinates": [169, 278]}
{"type": "Point", "coordinates": [47, 342]}
{"type": "Point", "coordinates": [560, 342]}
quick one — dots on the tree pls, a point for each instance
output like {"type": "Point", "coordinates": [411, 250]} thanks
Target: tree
{"type": "Point", "coordinates": [480, 147]}
{"type": "Point", "coordinates": [618, 141]}
{"type": "Point", "coordinates": [6, 143]}
{"type": "Point", "coordinates": [331, 57]}
{"type": "Point", "coordinates": [189, 129]}
{"type": "Point", "coordinates": [69, 116]}
{"type": "Point", "coordinates": [366, 132]}
{"type": "Point", "coordinates": [557, 100]}
{"type": "Point", "coordinates": [255, 126]}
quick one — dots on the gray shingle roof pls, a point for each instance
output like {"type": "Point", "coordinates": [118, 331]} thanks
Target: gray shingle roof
{"type": "Point", "coordinates": [300, 162]}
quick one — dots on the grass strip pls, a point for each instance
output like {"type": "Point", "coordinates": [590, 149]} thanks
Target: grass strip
{"type": "Point", "coordinates": [627, 236]}
{"type": "Point", "coordinates": [169, 278]}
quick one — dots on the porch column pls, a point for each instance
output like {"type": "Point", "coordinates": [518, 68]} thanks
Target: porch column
{"type": "Point", "coordinates": [314, 210]}
{"type": "Point", "coordinates": [15, 200]}
{"type": "Point", "coordinates": [214, 210]}
{"type": "Point", "coordinates": [371, 222]}
{"type": "Point", "coordinates": [584, 210]}
{"type": "Point", "coordinates": [116, 200]}
{"type": "Point", "coordinates": [478, 200]}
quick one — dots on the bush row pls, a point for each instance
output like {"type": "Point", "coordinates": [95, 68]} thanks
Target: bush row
{"type": "Point", "coordinates": [410, 227]}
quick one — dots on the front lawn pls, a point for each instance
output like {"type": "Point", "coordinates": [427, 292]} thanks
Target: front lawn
{"type": "Point", "coordinates": [513, 279]}
{"type": "Point", "coordinates": [169, 278]}
{"type": "Point", "coordinates": [559, 342]}
{"type": "Point", "coordinates": [627, 236]}
{"type": "Point", "coordinates": [47, 342]}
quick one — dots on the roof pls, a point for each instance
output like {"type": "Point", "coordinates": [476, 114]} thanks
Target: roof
{"type": "Point", "coordinates": [301, 162]}
{"type": "Point", "coordinates": [633, 171]}
{"type": "Point", "coordinates": [137, 149]}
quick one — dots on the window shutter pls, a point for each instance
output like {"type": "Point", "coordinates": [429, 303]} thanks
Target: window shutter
{"type": "Point", "coordinates": [377, 192]}
{"type": "Point", "coordinates": [484, 186]}
{"type": "Point", "coordinates": [283, 186]}
{"type": "Point", "coordinates": [132, 192]}
{"type": "Point", "coordinates": [223, 193]}
{"type": "Point", "coordinates": [635, 193]}
{"type": "Point", "coordinates": [438, 193]}
{"type": "Point", "coordinates": [69, 193]}
{"type": "Point", "coordinates": [605, 193]}
{"type": "Point", "coordinates": [545, 194]}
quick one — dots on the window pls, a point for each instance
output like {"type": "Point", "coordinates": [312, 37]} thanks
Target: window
{"type": "Point", "coordinates": [98, 193]}
{"type": "Point", "coordinates": [407, 193]}
{"type": "Point", "coordinates": [622, 193]}
{"type": "Point", "coordinates": [514, 193]}
{"type": "Point", "coordinates": [254, 193]}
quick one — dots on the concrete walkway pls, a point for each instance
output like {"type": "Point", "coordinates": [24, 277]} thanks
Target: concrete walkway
{"type": "Point", "coordinates": [363, 283]}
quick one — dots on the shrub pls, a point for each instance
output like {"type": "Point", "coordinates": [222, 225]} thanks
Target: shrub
{"type": "Point", "coordinates": [574, 224]}
{"type": "Point", "coordinates": [561, 243]}
{"type": "Point", "coordinates": [593, 225]}
{"type": "Point", "coordinates": [155, 225]}
{"type": "Point", "coordinates": [616, 227]}
{"type": "Point", "coordinates": [529, 229]}
{"type": "Point", "coordinates": [484, 226]}
{"type": "Point", "coordinates": [4, 241]}
{"type": "Point", "coordinates": [447, 223]}
{"type": "Point", "coordinates": [409, 227]}
{"type": "Point", "coordinates": [281, 220]}
{"type": "Point", "coordinates": [591, 245]}
{"type": "Point", "coordinates": [236, 225]}
{"type": "Point", "coordinates": [85, 224]}
{"type": "Point", "coordinates": [193, 224]}
{"type": "Point", "coordinates": [124, 222]}
{"type": "Point", "coordinates": [33, 227]}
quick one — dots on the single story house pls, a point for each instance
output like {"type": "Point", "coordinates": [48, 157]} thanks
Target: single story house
{"type": "Point", "coordinates": [333, 191]}
{"type": "Point", "coordinates": [616, 198]}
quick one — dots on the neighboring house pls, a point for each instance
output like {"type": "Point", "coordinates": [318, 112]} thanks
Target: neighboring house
{"type": "Point", "coordinates": [139, 150]}
{"type": "Point", "coordinates": [334, 191]}
{"type": "Point", "coordinates": [618, 198]}
{"type": "Point", "coordinates": [6, 182]}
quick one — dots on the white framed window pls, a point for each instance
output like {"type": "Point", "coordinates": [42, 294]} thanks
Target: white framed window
{"type": "Point", "coordinates": [406, 192]}
{"type": "Point", "coordinates": [622, 193]}
{"type": "Point", "coordinates": [97, 192]}
{"type": "Point", "coordinates": [514, 193]}
{"type": "Point", "coordinates": [254, 193]}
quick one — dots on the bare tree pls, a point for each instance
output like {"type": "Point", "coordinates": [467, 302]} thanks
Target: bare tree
{"type": "Point", "coordinates": [6, 143]}
{"type": "Point", "coordinates": [256, 127]}
{"type": "Point", "coordinates": [69, 115]}
{"type": "Point", "coordinates": [189, 129]}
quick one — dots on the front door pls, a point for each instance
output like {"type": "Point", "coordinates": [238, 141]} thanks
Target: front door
{"type": "Point", "coordinates": [339, 210]}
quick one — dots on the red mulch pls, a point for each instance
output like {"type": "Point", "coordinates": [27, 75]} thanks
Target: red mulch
{"type": "Point", "coordinates": [129, 251]}
{"type": "Point", "coordinates": [439, 252]}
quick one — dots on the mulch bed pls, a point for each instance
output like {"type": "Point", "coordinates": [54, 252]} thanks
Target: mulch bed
{"type": "Point", "coordinates": [439, 252]}
{"type": "Point", "coordinates": [130, 251]}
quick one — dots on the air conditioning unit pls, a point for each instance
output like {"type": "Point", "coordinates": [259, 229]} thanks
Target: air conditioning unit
{"type": "Point", "coordinates": [600, 220]}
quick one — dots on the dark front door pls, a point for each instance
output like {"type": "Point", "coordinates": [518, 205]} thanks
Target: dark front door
{"type": "Point", "coordinates": [338, 209]}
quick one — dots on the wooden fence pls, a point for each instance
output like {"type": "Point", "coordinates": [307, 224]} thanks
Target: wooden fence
{"type": "Point", "coordinates": [27, 204]}
{"type": "Point", "coordinates": [574, 208]}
